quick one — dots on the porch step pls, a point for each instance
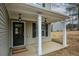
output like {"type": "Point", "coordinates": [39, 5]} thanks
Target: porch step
{"type": "Point", "coordinates": [18, 50]}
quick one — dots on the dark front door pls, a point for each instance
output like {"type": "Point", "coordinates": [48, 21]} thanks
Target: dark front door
{"type": "Point", "coordinates": [18, 33]}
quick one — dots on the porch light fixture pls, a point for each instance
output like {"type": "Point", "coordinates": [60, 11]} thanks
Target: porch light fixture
{"type": "Point", "coordinates": [19, 18]}
{"type": "Point", "coordinates": [44, 21]}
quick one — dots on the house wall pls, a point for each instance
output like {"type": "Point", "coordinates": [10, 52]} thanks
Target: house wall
{"type": "Point", "coordinates": [30, 39]}
{"type": "Point", "coordinates": [28, 33]}
{"type": "Point", "coordinates": [4, 33]}
{"type": "Point", "coordinates": [48, 6]}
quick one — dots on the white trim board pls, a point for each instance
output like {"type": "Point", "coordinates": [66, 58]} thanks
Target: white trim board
{"type": "Point", "coordinates": [12, 33]}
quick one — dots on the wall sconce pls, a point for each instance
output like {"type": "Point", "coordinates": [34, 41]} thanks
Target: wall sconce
{"type": "Point", "coordinates": [19, 17]}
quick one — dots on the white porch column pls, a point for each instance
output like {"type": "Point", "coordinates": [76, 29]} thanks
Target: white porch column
{"type": "Point", "coordinates": [64, 35]}
{"type": "Point", "coordinates": [39, 34]}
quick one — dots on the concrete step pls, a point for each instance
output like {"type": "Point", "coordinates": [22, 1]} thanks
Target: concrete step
{"type": "Point", "coordinates": [18, 50]}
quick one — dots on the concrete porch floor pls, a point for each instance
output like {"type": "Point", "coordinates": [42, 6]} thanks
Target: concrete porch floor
{"type": "Point", "coordinates": [47, 48]}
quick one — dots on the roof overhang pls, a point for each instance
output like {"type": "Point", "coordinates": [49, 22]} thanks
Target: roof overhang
{"type": "Point", "coordinates": [30, 12]}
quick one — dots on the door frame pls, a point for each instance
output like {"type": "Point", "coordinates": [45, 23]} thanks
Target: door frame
{"type": "Point", "coordinates": [12, 34]}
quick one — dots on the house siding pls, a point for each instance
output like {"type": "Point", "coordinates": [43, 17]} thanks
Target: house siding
{"type": "Point", "coordinates": [4, 33]}
{"type": "Point", "coordinates": [30, 39]}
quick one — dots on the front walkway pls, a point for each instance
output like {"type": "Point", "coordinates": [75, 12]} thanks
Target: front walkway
{"type": "Point", "coordinates": [47, 48]}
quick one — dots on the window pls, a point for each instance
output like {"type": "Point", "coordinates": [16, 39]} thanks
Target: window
{"type": "Point", "coordinates": [44, 30]}
{"type": "Point", "coordinates": [34, 30]}
{"type": "Point", "coordinates": [43, 4]}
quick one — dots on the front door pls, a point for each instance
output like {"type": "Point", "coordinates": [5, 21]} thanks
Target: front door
{"type": "Point", "coordinates": [18, 33]}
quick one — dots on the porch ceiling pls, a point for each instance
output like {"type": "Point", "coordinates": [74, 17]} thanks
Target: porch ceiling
{"type": "Point", "coordinates": [30, 12]}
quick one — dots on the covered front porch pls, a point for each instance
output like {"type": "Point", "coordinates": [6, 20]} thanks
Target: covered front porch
{"type": "Point", "coordinates": [39, 43]}
{"type": "Point", "coordinates": [47, 48]}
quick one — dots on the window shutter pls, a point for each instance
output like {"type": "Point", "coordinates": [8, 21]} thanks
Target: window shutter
{"type": "Point", "coordinates": [46, 29]}
{"type": "Point", "coordinates": [34, 30]}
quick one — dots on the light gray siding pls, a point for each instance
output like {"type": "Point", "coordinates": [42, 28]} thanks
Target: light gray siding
{"type": "Point", "coordinates": [4, 35]}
